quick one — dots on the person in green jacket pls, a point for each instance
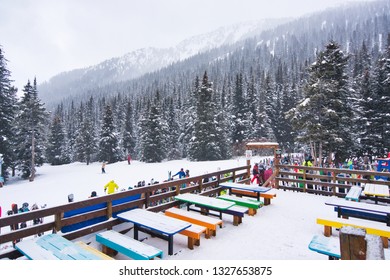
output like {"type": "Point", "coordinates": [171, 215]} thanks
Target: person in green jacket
{"type": "Point", "coordinates": [111, 187]}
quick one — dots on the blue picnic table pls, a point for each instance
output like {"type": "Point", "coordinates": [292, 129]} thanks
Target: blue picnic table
{"type": "Point", "coordinates": [362, 210]}
{"type": "Point", "coordinates": [54, 247]}
{"type": "Point", "coordinates": [162, 226]}
{"type": "Point", "coordinates": [252, 188]}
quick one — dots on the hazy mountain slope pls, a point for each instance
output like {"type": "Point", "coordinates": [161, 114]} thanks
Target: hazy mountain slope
{"type": "Point", "coordinates": [142, 61]}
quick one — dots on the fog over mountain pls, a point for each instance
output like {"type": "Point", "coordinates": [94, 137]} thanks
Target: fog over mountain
{"type": "Point", "coordinates": [137, 63]}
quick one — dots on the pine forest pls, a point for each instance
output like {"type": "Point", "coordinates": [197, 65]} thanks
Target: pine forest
{"type": "Point", "coordinates": [319, 84]}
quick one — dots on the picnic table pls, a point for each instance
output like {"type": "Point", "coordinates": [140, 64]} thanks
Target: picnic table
{"type": "Point", "coordinates": [376, 191]}
{"type": "Point", "coordinates": [252, 188]}
{"type": "Point", "coordinates": [55, 247]}
{"type": "Point", "coordinates": [368, 211]}
{"type": "Point", "coordinates": [207, 203]}
{"type": "Point", "coordinates": [159, 225]}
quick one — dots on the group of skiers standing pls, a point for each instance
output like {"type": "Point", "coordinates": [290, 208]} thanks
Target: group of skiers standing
{"type": "Point", "coordinates": [260, 174]}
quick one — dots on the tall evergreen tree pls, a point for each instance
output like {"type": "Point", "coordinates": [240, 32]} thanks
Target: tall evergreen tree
{"type": "Point", "coordinates": [363, 102]}
{"type": "Point", "coordinates": [187, 117]}
{"type": "Point", "coordinates": [30, 138]}
{"type": "Point", "coordinates": [239, 112]}
{"type": "Point", "coordinates": [152, 147]}
{"type": "Point", "coordinates": [86, 139]}
{"type": "Point", "coordinates": [322, 117]}
{"type": "Point", "coordinates": [71, 127]}
{"type": "Point", "coordinates": [8, 106]}
{"type": "Point", "coordinates": [204, 144]}
{"type": "Point", "coordinates": [56, 147]}
{"type": "Point", "coordinates": [109, 150]}
{"type": "Point", "coordinates": [173, 144]}
{"type": "Point", "coordinates": [129, 139]}
{"type": "Point", "coordinates": [384, 97]}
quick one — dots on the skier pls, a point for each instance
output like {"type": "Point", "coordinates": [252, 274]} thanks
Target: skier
{"type": "Point", "coordinates": [255, 173]}
{"type": "Point", "coordinates": [103, 167]}
{"type": "Point", "coordinates": [37, 221]}
{"type": "Point", "coordinates": [23, 209]}
{"type": "Point", "coordinates": [93, 194]}
{"type": "Point", "coordinates": [128, 159]}
{"type": "Point", "coordinates": [181, 174]}
{"type": "Point", "coordinates": [110, 187]}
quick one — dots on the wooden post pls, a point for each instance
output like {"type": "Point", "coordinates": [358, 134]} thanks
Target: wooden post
{"type": "Point", "coordinates": [248, 163]}
{"type": "Point", "coordinates": [334, 181]}
{"type": "Point", "coordinates": [57, 221]}
{"type": "Point", "coordinates": [200, 186]}
{"type": "Point", "coordinates": [109, 209]}
{"type": "Point", "coordinates": [353, 245]}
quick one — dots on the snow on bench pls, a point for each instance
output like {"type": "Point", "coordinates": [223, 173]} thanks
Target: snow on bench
{"type": "Point", "coordinates": [127, 245]}
{"type": "Point", "coordinates": [373, 228]}
{"type": "Point", "coordinates": [209, 222]}
{"type": "Point", "coordinates": [354, 193]}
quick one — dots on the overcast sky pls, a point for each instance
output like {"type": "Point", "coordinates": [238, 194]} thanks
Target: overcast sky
{"type": "Point", "coordinates": [45, 37]}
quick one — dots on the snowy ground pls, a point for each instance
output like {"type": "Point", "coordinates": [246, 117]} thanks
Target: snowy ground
{"type": "Point", "coordinates": [280, 231]}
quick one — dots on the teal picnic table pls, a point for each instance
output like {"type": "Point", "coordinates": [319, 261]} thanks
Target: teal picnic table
{"type": "Point", "coordinates": [54, 247]}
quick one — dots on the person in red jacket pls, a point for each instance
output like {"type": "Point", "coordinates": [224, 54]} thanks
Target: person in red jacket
{"type": "Point", "coordinates": [255, 173]}
{"type": "Point", "coordinates": [128, 159]}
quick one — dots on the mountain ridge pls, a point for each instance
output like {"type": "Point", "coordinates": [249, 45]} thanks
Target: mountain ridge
{"type": "Point", "coordinates": [145, 60]}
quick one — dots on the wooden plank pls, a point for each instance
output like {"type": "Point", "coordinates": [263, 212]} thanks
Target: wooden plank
{"type": "Point", "coordinates": [242, 201]}
{"type": "Point", "coordinates": [376, 190]}
{"type": "Point", "coordinates": [370, 227]}
{"type": "Point", "coordinates": [154, 221]}
{"type": "Point", "coordinates": [210, 202]}
{"type": "Point", "coordinates": [209, 222]}
{"type": "Point", "coordinates": [193, 233]}
{"type": "Point", "coordinates": [354, 193]}
{"type": "Point", "coordinates": [54, 246]}
{"type": "Point", "coordinates": [353, 245]}
{"type": "Point", "coordinates": [93, 250]}
{"type": "Point", "coordinates": [35, 252]}
{"type": "Point", "coordinates": [374, 208]}
{"type": "Point", "coordinates": [329, 246]}
{"type": "Point", "coordinates": [128, 246]}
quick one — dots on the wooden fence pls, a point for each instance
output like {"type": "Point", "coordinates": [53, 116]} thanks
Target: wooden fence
{"type": "Point", "coordinates": [156, 198]}
{"type": "Point", "coordinates": [325, 181]}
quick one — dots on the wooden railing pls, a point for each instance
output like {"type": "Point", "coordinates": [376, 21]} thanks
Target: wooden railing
{"type": "Point", "coordinates": [156, 198]}
{"type": "Point", "coordinates": [159, 197]}
{"type": "Point", "coordinates": [325, 181]}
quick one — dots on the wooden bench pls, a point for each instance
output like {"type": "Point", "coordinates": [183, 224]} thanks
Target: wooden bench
{"type": "Point", "coordinates": [93, 250]}
{"type": "Point", "coordinates": [210, 223]}
{"type": "Point", "coordinates": [354, 193]}
{"type": "Point", "coordinates": [329, 246]}
{"type": "Point", "coordinates": [237, 212]}
{"type": "Point", "coordinates": [267, 196]}
{"type": "Point", "coordinates": [113, 242]}
{"type": "Point", "coordinates": [55, 247]}
{"type": "Point", "coordinates": [251, 204]}
{"type": "Point", "coordinates": [370, 227]}
{"type": "Point", "coordinates": [193, 233]}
